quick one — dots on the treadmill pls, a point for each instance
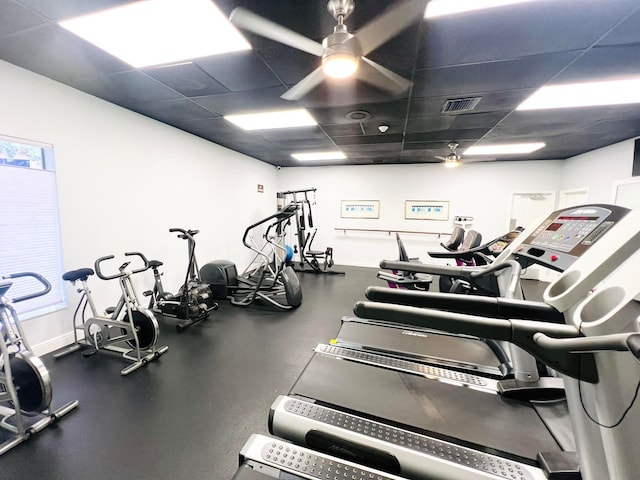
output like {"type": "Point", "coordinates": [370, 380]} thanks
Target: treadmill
{"type": "Point", "coordinates": [407, 424]}
{"type": "Point", "coordinates": [470, 356]}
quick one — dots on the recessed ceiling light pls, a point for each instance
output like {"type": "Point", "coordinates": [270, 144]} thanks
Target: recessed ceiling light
{"type": "Point", "coordinates": [155, 32]}
{"type": "Point", "coordinates": [613, 92]}
{"type": "Point", "coordinates": [310, 156]}
{"type": "Point", "coordinates": [438, 8]}
{"type": "Point", "coordinates": [513, 148]}
{"type": "Point", "coordinates": [279, 119]}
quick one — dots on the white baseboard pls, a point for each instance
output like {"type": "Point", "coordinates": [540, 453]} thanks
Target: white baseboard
{"type": "Point", "coordinates": [53, 344]}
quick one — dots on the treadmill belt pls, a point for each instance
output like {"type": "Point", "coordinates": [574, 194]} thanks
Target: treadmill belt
{"type": "Point", "coordinates": [471, 352]}
{"type": "Point", "coordinates": [483, 420]}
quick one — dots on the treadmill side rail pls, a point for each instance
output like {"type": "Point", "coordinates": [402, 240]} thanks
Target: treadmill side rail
{"type": "Point", "coordinates": [270, 453]}
{"type": "Point", "coordinates": [419, 456]}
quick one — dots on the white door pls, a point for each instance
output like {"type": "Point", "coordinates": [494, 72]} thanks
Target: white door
{"type": "Point", "coordinates": [571, 198]}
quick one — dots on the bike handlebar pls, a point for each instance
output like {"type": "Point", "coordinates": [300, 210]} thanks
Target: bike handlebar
{"type": "Point", "coordinates": [121, 274]}
{"type": "Point", "coordinates": [38, 277]}
{"type": "Point", "coordinates": [185, 234]}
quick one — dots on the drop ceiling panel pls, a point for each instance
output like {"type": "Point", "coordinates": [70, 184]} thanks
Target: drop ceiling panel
{"type": "Point", "coordinates": [16, 17]}
{"type": "Point", "coordinates": [174, 112]}
{"type": "Point", "coordinates": [239, 71]}
{"type": "Point", "coordinates": [187, 79]}
{"type": "Point", "coordinates": [245, 102]}
{"type": "Point", "coordinates": [127, 88]}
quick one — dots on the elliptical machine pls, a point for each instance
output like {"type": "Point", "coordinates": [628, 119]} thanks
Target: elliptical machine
{"type": "Point", "coordinates": [25, 384]}
{"type": "Point", "coordinates": [194, 300]}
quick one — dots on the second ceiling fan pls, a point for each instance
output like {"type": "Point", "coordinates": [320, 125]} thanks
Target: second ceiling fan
{"type": "Point", "coordinates": [343, 54]}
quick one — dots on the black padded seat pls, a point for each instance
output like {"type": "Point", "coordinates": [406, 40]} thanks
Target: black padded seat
{"type": "Point", "coordinates": [79, 274]}
{"type": "Point", "coordinates": [155, 263]}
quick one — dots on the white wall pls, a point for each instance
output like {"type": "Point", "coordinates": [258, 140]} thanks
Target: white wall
{"type": "Point", "coordinates": [123, 180]}
{"type": "Point", "coordinates": [598, 169]}
{"type": "Point", "coordinates": [480, 190]}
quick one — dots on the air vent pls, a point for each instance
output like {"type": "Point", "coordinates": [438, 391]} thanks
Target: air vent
{"type": "Point", "coordinates": [460, 104]}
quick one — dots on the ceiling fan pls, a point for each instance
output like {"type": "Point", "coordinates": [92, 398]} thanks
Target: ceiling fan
{"type": "Point", "coordinates": [452, 159]}
{"type": "Point", "coordinates": [343, 54]}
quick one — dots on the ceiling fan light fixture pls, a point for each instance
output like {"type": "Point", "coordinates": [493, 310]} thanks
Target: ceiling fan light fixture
{"type": "Point", "coordinates": [340, 65]}
{"type": "Point", "coordinates": [452, 162]}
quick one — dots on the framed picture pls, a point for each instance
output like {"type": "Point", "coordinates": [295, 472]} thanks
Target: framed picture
{"type": "Point", "coordinates": [426, 210]}
{"type": "Point", "coordinates": [360, 209]}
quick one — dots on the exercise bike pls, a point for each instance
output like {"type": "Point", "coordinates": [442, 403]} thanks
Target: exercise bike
{"type": "Point", "coordinates": [193, 302]}
{"type": "Point", "coordinates": [130, 329]}
{"type": "Point", "coordinates": [25, 384]}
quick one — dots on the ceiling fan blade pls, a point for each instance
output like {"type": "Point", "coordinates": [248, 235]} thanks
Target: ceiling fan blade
{"type": "Point", "coordinates": [441, 158]}
{"type": "Point", "coordinates": [251, 22]}
{"type": "Point", "coordinates": [305, 85]}
{"type": "Point", "coordinates": [386, 26]}
{"type": "Point", "coordinates": [382, 77]}
{"type": "Point", "coordinates": [478, 159]}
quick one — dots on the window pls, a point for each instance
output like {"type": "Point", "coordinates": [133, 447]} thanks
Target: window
{"type": "Point", "coordinates": [30, 229]}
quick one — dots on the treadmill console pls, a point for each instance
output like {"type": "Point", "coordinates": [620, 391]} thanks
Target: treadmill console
{"type": "Point", "coordinates": [566, 234]}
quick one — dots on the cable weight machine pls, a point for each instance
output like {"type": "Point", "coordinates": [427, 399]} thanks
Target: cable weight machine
{"type": "Point", "coordinates": [309, 260]}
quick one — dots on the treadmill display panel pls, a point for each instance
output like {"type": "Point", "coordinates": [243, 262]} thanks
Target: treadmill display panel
{"type": "Point", "coordinates": [566, 234]}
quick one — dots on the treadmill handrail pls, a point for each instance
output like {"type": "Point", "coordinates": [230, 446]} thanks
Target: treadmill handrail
{"type": "Point", "coordinates": [619, 342]}
{"type": "Point", "coordinates": [472, 304]}
{"type": "Point", "coordinates": [519, 332]}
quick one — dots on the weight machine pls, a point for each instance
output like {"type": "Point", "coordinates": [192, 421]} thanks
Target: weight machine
{"type": "Point", "coordinates": [309, 260]}
{"type": "Point", "coordinates": [25, 384]}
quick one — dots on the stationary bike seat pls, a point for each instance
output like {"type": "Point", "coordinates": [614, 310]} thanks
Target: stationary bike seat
{"type": "Point", "coordinates": [79, 274]}
{"type": "Point", "coordinates": [155, 263]}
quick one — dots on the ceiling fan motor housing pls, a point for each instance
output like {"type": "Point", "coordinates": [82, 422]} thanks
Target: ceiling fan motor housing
{"type": "Point", "coordinates": [340, 8]}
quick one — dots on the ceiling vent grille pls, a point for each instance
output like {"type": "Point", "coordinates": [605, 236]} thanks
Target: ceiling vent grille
{"type": "Point", "coordinates": [460, 104]}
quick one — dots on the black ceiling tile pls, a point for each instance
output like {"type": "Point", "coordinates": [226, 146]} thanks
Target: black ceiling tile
{"type": "Point", "coordinates": [246, 102]}
{"type": "Point", "coordinates": [127, 88]}
{"type": "Point", "coordinates": [515, 74]}
{"type": "Point", "coordinates": [207, 126]}
{"type": "Point", "coordinates": [15, 17]}
{"type": "Point", "coordinates": [289, 64]}
{"type": "Point", "coordinates": [430, 124]}
{"type": "Point", "coordinates": [345, 129]}
{"type": "Point", "coordinates": [374, 112]}
{"type": "Point", "coordinates": [603, 63]}
{"type": "Point", "coordinates": [478, 120]}
{"type": "Point", "coordinates": [173, 112]}
{"type": "Point", "coordinates": [627, 31]}
{"type": "Point", "coordinates": [447, 135]}
{"type": "Point", "coordinates": [239, 71]}
{"type": "Point", "coordinates": [186, 78]}
{"type": "Point", "coordinates": [55, 53]}
{"type": "Point", "coordinates": [62, 9]}
{"type": "Point", "coordinates": [368, 139]}
{"type": "Point", "coordinates": [518, 31]}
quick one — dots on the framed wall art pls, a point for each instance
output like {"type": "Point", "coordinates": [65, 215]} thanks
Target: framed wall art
{"type": "Point", "coordinates": [426, 210]}
{"type": "Point", "coordinates": [360, 209]}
